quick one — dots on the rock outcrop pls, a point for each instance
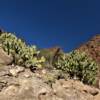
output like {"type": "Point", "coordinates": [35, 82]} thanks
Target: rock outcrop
{"type": "Point", "coordinates": [28, 86]}
{"type": "Point", "coordinates": [92, 48]}
{"type": "Point", "coordinates": [5, 59]}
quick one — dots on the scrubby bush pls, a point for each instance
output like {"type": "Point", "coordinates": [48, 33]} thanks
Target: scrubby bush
{"type": "Point", "coordinates": [51, 54]}
{"type": "Point", "coordinates": [23, 55]}
{"type": "Point", "coordinates": [78, 64]}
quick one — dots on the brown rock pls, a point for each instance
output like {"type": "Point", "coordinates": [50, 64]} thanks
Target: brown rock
{"type": "Point", "coordinates": [97, 97]}
{"type": "Point", "coordinates": [71, 90]}
{"type": "Point", "coordinates": [4, 58]}
{"type": "Point", "coordinates": [17, 69]}
{"type": "Point", "coordinates": [92, 48]}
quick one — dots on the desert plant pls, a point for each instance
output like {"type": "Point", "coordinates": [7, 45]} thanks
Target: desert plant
{"type": "Point", "coordinates": [79, 65]}
{"type": "Point", "coordinates": [23, 55]}
{"type": "Point", "coordinates": [51, 55]}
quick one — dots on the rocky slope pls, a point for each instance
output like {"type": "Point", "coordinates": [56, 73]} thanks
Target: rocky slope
{"type": "Point", "coordinates": [92, 48]}
{"type": "Point", "coordinates": [20, 83]}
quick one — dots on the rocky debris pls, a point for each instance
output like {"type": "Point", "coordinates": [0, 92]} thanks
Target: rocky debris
{"type": "Point", "coordinates": [27, 74]}
{"type": "Point", "coordinates": [4, 70]}
{"type": "Point", "coordinates": [50, 76]}
{"type": "Point", "coordinates": [4, 58]}
{"type": "Point", "coordinates": [2, 84]}
{"type": "Point", "coordinates": [73, 90]}
{"type": "Point", "coordinates": [79, 86]}
{"type": "Point", "coordinates": [25, 89]}
{"type": "Point", "coordinates": [17, 69]}
{"type": "Point", "coordinates": [34, 88]}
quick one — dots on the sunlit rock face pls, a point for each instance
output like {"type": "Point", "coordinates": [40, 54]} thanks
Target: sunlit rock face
{"type": "Point", "coordinates": [5, 59]}
{"type": "Point", "coordinates": [92, 48]}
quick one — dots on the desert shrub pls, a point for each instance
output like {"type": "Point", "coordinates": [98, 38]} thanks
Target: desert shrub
{"type": "Point", "coordinates": [78, 64]}
{"type": "Point", "coordinates": [51, 55]}
{"type": "Point", "coordinates": [48, 55]}
{"type": "Point", "coordinates": [49, 78]}
{"type": "Point", "coordinates": [23, 55]}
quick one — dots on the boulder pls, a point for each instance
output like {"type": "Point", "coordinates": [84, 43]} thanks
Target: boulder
{"type": "Point", "coordinates": [5, 59]}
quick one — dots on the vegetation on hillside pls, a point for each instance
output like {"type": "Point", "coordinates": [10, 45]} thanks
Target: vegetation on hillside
{"type": "Point", "coordinates": [76, 64]}
{"type": "Point", "coordinates": [22, 54]}
{"type": "Point", "coordinates": [92, 48]}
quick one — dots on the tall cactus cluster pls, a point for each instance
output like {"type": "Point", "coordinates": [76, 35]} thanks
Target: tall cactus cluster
{"type": "Point", "coordinates": [78, 64]}
{"type": "Point", "coordinates": [22, 54]}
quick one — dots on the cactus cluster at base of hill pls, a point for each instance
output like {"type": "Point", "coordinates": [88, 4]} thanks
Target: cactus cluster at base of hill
{"type": "Point", "coordinates": [78, 65]}
{"type": "Point", "coordinates": [22, 54]}
{"type": "Point", "coordinates": [74, 64]}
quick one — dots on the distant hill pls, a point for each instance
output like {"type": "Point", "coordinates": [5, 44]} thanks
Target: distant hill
{"type": "Point", "coordinates": [92, 48]}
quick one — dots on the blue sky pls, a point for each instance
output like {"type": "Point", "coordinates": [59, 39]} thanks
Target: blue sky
{"type": "Point", "coordinates": [48, 23]}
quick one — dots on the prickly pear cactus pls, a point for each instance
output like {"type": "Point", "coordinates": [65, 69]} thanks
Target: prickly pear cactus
{"type": "Point", "coordinates": [79, 65]}
{"type": "Point", "coordinates": [23, 55]}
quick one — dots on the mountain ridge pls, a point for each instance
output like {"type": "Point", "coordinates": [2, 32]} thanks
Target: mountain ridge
{"type": "Point", "coordinates": [92, 47]}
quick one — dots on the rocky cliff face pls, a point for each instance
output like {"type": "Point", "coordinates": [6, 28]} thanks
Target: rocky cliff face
{"type": "Point", "coordinates": [92, 48]}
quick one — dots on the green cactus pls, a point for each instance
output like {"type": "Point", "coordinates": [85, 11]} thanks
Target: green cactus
{"type": "Point", "coordinates": [22, 54]}
{"type": "Point", "coordinates": [79, 65]}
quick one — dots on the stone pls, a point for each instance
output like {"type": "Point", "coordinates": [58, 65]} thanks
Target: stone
{"type": "Point", "coordinates": [44, 71]}
{"type": "Point", "coordinates": [5, 59]}
{"type": "Point", "coordinates": [27, 75]}
{"type": "Point", "coordinates": [11, 90]}
{"type": "Point", "coordinates": [70, 90]}
{"type": "Point", "coordinates": [16, 70]}
{"type": "Point", "coordinates": [13, 72]}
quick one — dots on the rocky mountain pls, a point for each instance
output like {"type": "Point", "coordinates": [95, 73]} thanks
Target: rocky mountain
{"type": "Point", "coordinates": [19, 82]}
{"type": "Point", "coordinates": [92, 48]}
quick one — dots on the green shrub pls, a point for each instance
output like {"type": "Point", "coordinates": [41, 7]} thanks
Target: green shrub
{"type": "Point", "coordinates": [51, 54]}
{"type": "Point", "coordinates": [23, 55]}
{"type": "Point", "coordinates": [79, 65]}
